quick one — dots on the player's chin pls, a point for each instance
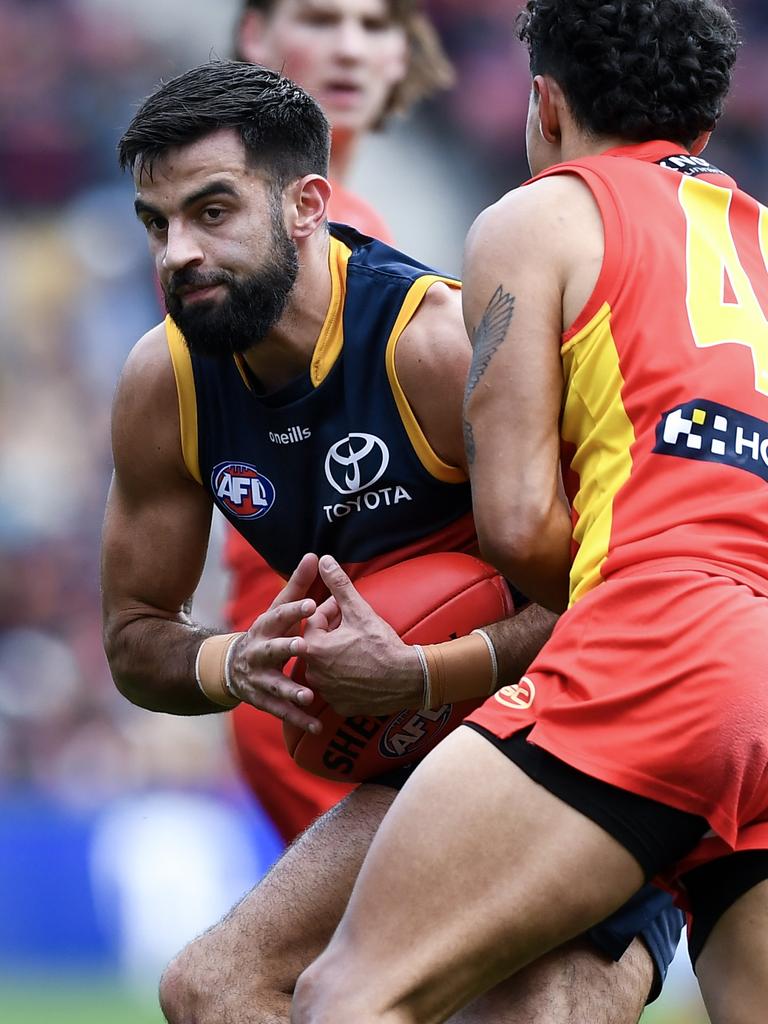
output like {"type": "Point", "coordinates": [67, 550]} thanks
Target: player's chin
{"type": "Point", "coordinates": [351, 120]}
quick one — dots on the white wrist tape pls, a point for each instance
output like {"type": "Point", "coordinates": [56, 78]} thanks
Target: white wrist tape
{"type": "Point", "coordinates": [494, 659]}
{"type": "Point", "coordinates": [426, 696]}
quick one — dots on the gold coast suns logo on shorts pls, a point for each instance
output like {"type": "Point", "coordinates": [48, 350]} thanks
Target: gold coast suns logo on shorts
{"type": "Point", "coordinates": [518, 697]}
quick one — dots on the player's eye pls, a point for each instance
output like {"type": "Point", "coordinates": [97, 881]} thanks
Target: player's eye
{"type": "Point", "coordinates": [320, 19]}
{"type": "Point", "coordinates": [213, 214]}
{"type": "Point", "coordinates": [156, 225]}
{"type": "Point", "coordinates": [380, 24]}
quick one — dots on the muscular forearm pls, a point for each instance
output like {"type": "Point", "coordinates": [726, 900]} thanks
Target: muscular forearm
{"type": "Point", "coordinates": [152, 660]}
{"type": "Point", "coordinates": [533, 552]}
{"type": "Point", "coordinates": [519, 639]}
{"type": "Point", "coordinates": [153, 656]}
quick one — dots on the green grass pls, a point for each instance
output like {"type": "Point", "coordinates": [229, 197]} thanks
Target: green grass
{"type": "Point", "coordinates": [49, 1000]}
{"type": "Point", "coordinates": [57, 1000]}
{"type": "Point", "coordinates": [681, 1014]}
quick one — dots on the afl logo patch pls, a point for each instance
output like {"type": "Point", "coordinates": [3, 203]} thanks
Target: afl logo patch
{"type": "Point", "coordinates": [242, 490]}
{"type": "Point", "coordinates": [519, 697]}
{"type": "Point", "coordinates": [411, 730]}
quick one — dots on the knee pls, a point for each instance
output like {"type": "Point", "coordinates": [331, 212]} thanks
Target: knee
{"type": "Point", "coordinates": [195, 985]}
{"type": "Point", "coordinates": [177, 992]}
{"type": "Point", "coordinates": [326, 993]}
{"type": "Point", "coordinates": [305, 1008]}
{"type": "Point", "coordinates": [318, 997]}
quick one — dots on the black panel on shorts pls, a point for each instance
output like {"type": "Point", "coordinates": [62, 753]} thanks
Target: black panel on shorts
{"type": "Point", "coordinates": [714, 887]}
{"type": "Point", "coordinates": [656, 835]}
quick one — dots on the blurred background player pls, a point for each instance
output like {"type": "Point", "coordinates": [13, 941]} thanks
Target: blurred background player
{"type": "Point", "coordinates": [363, 61]}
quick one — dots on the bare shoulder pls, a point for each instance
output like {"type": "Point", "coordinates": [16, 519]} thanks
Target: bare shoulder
{"type": "Point", "coordinates": [145, 417]}
{"type": "Point", "coordinates": [544, 240]}
{"type": "Point", "coordinates": [148, 364]}
{"type": "Point", "coordinates": [435, 341]}
{"type": "Point", "coordinates": [538, 217]}
{"type": "Point", "coordinates": [432, 361]}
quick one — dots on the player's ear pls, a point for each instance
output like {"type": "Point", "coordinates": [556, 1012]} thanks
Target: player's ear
{"type": "Point", "coordinates": [700, 144]}
{"type": "Point", "coordinates": [549, 98]}
{"type": "Point", "coordinates": [250, 37]}
{"type": "Point", "coordinates": [307, 199]}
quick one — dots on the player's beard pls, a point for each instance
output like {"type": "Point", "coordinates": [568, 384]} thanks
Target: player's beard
{"type": "Point", "coordinates": [252, 306]}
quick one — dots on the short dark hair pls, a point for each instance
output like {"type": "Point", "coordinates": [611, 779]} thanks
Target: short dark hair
{"type": "Point", "coordinates": [429, 69]}
{"type": "Point", "coordinates": [282, 129]}
{"type": "Point", "coordinates": [637, 69]}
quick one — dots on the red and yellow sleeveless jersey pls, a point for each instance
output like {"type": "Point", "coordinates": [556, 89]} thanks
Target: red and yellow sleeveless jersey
{"type": "Point", "coordinates": [665, 414]}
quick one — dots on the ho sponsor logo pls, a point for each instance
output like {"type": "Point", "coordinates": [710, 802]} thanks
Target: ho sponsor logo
{"type": "Point", "coordinates": [242, 490]}
{"type": "Point", "coordinates": [356, 462]}
{"type": "Point", "coordinates": [709, 432]}
{"type": "Point", "coordinates": [412, 730]}
{"type": "Point", "coordinates": [518, 697]}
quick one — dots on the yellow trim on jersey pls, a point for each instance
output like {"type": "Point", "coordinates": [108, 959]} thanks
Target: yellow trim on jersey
{"type": "Point", "coordinates": [331, 339]}
{"type": "Point", "coordinates": [185, 389]}
{"type": "Point", "coordinates": [429, 459]}
{"type": "Point", "coordinates": [240, 364]}
{"type": "Point", "coordinates": [596, 423]}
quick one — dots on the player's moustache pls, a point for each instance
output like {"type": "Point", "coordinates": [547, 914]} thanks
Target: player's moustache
{"type": "Point", "coordinates": [189, 278]}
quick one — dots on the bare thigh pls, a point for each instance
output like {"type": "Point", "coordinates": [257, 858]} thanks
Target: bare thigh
{"type": "Point", "coordinates": [733, 966]}
{"type": "Point", "coordinates": [572, 983]}
{"type": "Point", "coordinates": [474, 873]}
{"type": "Point", "coordinates": [244, 968]}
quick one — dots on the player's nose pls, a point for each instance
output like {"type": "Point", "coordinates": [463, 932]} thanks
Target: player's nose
{"type": "Point", "coordinates": [350, 40]}
{"type": "Point", "coordinates": [181, 248]}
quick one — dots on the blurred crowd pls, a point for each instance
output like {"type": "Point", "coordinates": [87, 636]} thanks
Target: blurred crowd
{"type": "Point", "coordinates": [76, 291]}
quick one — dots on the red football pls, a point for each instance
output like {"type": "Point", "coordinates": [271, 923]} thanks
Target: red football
{"type": "Point", "coordinates": [427, 600]}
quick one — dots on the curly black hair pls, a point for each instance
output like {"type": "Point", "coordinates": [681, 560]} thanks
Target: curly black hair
{"type": "Point", "coordinates": [281, 127]}
{"type": "Point", "coordinates": [636, 69]}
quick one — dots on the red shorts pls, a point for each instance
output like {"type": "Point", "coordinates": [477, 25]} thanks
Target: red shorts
{"type": "Point", "coordinates": [254, 584]}
{"type": "Point", "coordinates": [657, 682]}
{"type": "Point", "coordinates": [290, 795]}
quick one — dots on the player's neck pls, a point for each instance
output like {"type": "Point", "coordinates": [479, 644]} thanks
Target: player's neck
{"type": "Point", "coordinates": [578, 145]}
{"type": "Point", "coordinates": [344, 146]}
{"type": "Point", "coordinates": [286, 352]}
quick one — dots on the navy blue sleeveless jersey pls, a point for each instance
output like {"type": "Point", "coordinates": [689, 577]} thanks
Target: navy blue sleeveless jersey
{"type": "Point", "coordinates": [335, 462]}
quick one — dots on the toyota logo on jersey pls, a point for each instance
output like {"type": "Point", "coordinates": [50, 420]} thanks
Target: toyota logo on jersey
{"type": "Point", "coordinates": [355, 462]}
{"type": "Point", "coordinates": [242, 490]}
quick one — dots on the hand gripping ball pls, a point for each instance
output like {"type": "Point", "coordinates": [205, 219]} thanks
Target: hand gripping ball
{"type": "Point", "coordinates": [427, 600]}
